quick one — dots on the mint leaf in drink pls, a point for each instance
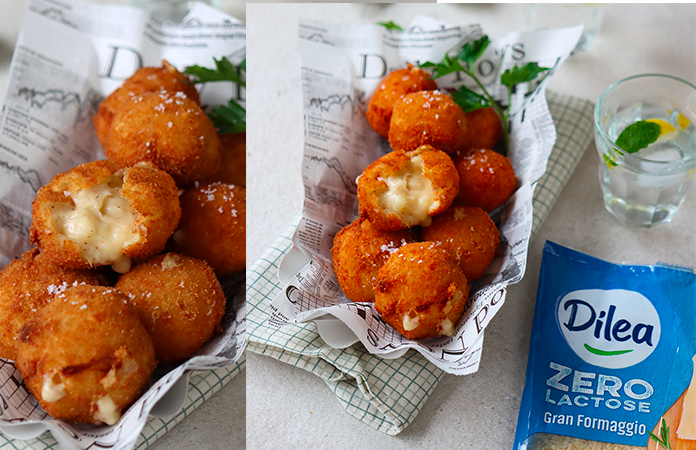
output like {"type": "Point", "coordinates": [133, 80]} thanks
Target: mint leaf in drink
{"type": "Point", "coordinates": [230, 118]}
{"type": "Point", "coordinates": [609, 162]}
{"type": "Point", "coordinates": [469, 100]}
{"type": "Point", "coordinates": [638, 136]}
{"type": "Point", "coordinates": [471, 51]}
{"type": "Point", "coordinates": [445, 67]}
{"type": "Point", "coordinates": [224, 71]}
{"type": "Point", "coordinates": [521, 74]}
{"type": "Point", "coordinates": [390, 26]}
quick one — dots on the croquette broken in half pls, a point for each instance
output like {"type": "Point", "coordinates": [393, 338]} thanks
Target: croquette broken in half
{"type": "Point", "coordinates": [401, 190]}
{"type": "Point", "coordinates": [94, 215]}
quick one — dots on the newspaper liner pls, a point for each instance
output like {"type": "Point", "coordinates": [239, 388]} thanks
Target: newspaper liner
{"type": "Point", "coordinates": [69, 55]}
{"type": "Point", "coordinates": [342, 65]}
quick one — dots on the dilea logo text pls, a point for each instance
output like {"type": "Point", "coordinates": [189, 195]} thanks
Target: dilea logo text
{"type": "Point", "coordinates": [613, 329]}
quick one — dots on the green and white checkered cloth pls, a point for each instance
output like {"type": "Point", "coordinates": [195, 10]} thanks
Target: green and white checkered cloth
{"type": "Point", "coordinates": [388, 394]}
{"type": "Point", "coordinates": [202, 386]}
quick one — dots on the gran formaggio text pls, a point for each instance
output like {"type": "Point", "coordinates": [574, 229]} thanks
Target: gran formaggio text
{"type": "Point", "coordinates": [576, 390]}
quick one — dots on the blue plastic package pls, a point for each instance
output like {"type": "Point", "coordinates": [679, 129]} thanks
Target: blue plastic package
{"type": "Point", "coordinates": [611, 357]}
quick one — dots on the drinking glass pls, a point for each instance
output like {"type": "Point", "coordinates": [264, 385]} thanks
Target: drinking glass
{"type": "Point", "coordinates": [647, 187]}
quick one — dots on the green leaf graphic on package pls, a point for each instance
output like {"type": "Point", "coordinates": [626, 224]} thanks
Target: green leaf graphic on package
{"type": "Point", "coordinates": [599, 352]}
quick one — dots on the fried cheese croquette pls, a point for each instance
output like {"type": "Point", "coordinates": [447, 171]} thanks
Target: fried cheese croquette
{"type": "Point", "coordinates": [401, 190]}
{"type": "Point", "coordinates": [179, 300]}
{"type": "Point", "coordinates": [146, 79]}
{"type": "Point", "coordinates": [86, 356]}
{"type": "Point", "coordinates": [94, 215]}
{"type": "Point", "coordinates": [359, 251]}
{"type": "Point", "coordinates": [485, 128]}
{"type": "Point", "coordinates": [213, 227]}
{"type": "Point", "coordinates": [28, 284]}
{"type": "Point", "coordinates": [427, 117]}
{"type": "Point", "coordinates": [169, 130]}
{"type": "Point", "coordinates": [233, 160]}
{"type": "Point", "coordinates": [393, 88]}
{"type": "Point", "coordinates": [421, 291]}
{"type": "Point", "coordinates": [469, 234]}
{"type": "Point", "coordinates": [486, 178]}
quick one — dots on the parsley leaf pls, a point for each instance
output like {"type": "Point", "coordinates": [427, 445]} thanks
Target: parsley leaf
{"type": "Point", "coordinates": [471, 51]}
{"type": "Point", "coordinates": [224, 71]}
{"type": "Point", "coordinates": [444, 67]}
{"type": "Point", "coordinates": [230, 118]}
{"type": "Point", "coordinates": [390, 26]}
{"type": "Point", "coordinates": [638, 136]}
{"type": "Point", "coordinates": [469, 100]}
{"type": "Point", "coordinates": [521, 74]}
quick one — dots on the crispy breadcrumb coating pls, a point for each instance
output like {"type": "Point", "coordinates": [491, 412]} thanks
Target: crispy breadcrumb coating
{"type": "Point", "coordinates": [213, 227]}
{"type": "Point", "coordinates": [469, 235]}
{"type": "Point", "coordinates": [179, 300]}
{"type": "Point", "coordinates": [359, 251]}
{"type": "Point", "coordinates": [486, 178]}
{"type": "Point", "coordinates": [86, 356]}
{"type": "Point", "coordinates": [392, 89]}
{"type": "Point", "coordinates": [169, 130]}
{"type": "Point", "coordinates": [427, 118]}
{"type": "Point", "coordinates": [146, 79]}
{"type": "Point", "coordinates": [421, 291]}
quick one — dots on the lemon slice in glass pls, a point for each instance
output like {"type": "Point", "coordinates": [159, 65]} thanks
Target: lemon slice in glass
{"type": "Point", "coordinates": [682, 122]}
{"type": "Point", "coordinates": [667, 130]}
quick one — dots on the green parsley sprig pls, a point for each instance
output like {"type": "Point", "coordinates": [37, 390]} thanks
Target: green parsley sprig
{"type": "Point", "coordinates": [664, 434]}
{"type": "Point", "coordinates": [230, 118]}
{"type": "Point", "coordinates": [390, 26]}
{"type": "Point", "coordinates": [470, 100]}
{"type": "Point", "coordinates": [224, 71]}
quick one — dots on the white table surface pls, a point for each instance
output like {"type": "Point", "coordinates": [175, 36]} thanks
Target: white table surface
{"type": "Point", "coordinates": [290, 406]}
{"type": "Point", "coordinates": [220, 422]}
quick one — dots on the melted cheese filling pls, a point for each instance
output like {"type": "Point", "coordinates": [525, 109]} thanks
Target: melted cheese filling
{"type": "Point", "coordinates": [170, 261]}
{"type": "Point", "coordinates": [99, 223]}
{"type": "Point", "coordinates": [409, 194]}
{"type": "Point", "coordinates": [53, 388]}
{"type": "Point", "coordinates": [446, 328]}
{"type": "Point", "coordinates": [107, 411]}
{"type": "Point", "coordinates": [687, 422]}
{"type": "Point", "coordinates": [410, 323]}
